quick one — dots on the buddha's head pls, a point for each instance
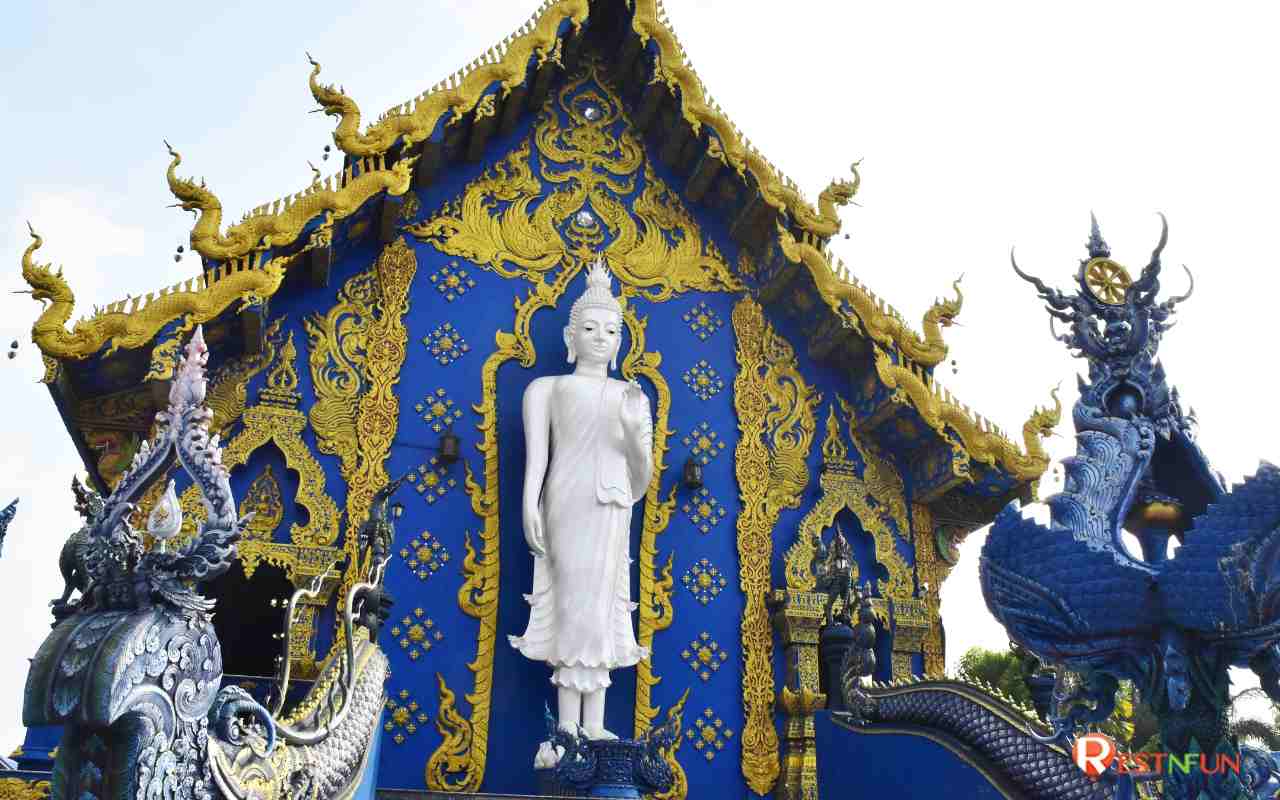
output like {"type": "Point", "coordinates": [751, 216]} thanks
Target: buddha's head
{"type": "Point", "coordinates": [594, 332]}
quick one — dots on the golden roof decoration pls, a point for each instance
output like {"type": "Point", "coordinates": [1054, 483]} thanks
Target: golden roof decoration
{"type": "Point", "coordinates": [871, 315]}
{"type": "Point", "coordinates": [280, 223]}
{"type": "Point", "coordinates": [507, 63]}
{"type": "Point", "coordinates": [134, 322]}
{"type": "Point", "coordinates": [984, 441]}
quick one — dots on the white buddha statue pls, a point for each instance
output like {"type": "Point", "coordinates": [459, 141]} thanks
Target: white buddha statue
{"type": "Point", "coordinates": [589, 458]}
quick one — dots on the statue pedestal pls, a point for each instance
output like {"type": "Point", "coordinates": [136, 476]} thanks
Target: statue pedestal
{"type": "Point", "coordinates": [617, 773]}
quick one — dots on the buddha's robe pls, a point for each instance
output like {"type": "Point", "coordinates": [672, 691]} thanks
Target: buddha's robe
{"type": "Point", "coordinates": [580, 607]}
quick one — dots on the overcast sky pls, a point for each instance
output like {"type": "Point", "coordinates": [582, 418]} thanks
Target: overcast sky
{"type": "Point", "coordinates": [982, 125]}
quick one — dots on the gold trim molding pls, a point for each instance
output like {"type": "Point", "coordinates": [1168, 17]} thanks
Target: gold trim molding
{"type": "Point", "coordinates": [775, 407]}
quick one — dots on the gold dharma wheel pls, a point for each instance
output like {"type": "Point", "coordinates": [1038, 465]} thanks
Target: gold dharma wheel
{"type": "Point", "coordinates": [1107, 280]}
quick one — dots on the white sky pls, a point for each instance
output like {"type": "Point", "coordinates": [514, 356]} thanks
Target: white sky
{"type": "Point", "coordinates": [982, 125]}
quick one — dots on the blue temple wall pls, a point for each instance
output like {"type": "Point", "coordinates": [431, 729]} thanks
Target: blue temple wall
{"type": "Point", "coordinates": [706, 616]}
{"type": "Point", "coordinates": [897, 765]}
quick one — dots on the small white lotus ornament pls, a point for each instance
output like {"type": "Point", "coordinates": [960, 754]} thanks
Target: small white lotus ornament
{"type": "Point", "coordinates": [165, 519]}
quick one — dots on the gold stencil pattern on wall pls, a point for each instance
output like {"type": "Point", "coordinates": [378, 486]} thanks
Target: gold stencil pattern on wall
{"type": "Point", "coordinates": [775, 409]}
{"type": "Point", "coordinates": [595, 161]}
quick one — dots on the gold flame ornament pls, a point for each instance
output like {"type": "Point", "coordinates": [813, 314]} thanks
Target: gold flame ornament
{"type": "Point", "coordinates": [165, 519]}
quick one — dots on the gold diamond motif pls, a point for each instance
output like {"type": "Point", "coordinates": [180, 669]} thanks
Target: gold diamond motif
{"type": "Point", "coordinates": [704, 656]}
{"type": "Point", "coordinates": [704, 581]}
{"type": "Point", "coordinates": [452, 281]}
{"type": "Point", "coordinates": [704, 510]}
{"type": "Point", "coordinates": [431, 480]}
{"type": "Point", "coordinates": [703, 380]}
{"type": "Point", "coordinates": [425, 555]}
{"type": "Point", "coordinates": [703, 320]}
{"type": "Point", "coordinates": [704, 443]}
{"type": "Point", "coordinates": [709, 734]}
{"type": "Point", "coordinates": [405, 719]}
{"type": "Point", "coordinates": [446, 344]}
{"type": "Point", "coordinates": [438, 410]}
{"type": "Point", "coordinates": [417, 634]}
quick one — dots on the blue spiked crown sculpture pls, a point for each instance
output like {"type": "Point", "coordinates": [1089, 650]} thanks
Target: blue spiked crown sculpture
{"type": "Point", "coordinates": [1075, 595]}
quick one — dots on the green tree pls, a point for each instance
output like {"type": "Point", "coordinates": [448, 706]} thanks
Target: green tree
{"type": "Point", "coordinates": [1008, 671]}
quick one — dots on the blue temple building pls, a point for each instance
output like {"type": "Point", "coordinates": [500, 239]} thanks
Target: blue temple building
{"type": "Point", "coordinates": [383, 322]}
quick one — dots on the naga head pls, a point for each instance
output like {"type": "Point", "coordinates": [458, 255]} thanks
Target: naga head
{"type": "Point", "coordinates": [944, 312]}
{"type": "Point", "coordinates": [333, 101]}
{"type": "Point", "coordinates": [841, 192]}
{"type": "Point", "coordinates": [1112, 318]}
{"type": "Point", "coordinates": [88, 502]}
{"type": "Point", "coordinates": [46, 284]}
{"type": "Point", "coordinates": [191, 196]}
{"type": "Point", "coordinates": [1044, 421]}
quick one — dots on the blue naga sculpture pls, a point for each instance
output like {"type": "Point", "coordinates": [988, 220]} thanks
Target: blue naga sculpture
{"type": "Point", "coordinates": [1077, 597]}
{"type": "Point", "coordinates": [133, 670]}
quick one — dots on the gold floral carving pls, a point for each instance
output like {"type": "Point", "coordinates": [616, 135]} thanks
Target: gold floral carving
{"type": "Point", "coordinates": [860, 308]}
{"type": "Point", "coordinates": [280, 223]}
{"type": "Point", "coordinates": [21, 789]}
{"type": "Point", "coordinates": [414, 121]}
{"type": "Point", "coordinates": [980, 439]}
{"type": "Point", "coordinates": [656, 610]}
{"type": "Point", "coordinates": [338, 350]}
{"type": "Point", "coordinates": [800, 764]}
{"type": "Point", "coordinates": [877, 499]}
{"type": "Point", "coordinates": [775, 406]}
{"type": "Point", "coordinates": [378, 409]}
{"type": "Point", "coordinates": [657, 246]}
{"type": "Point", "coordinates": [134, 322]}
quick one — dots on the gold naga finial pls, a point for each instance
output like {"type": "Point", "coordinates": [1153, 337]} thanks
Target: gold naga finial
{"type": "Point", "coordinates": [315, 173]}
{"type": "Point", "coordinates": [833, 447]}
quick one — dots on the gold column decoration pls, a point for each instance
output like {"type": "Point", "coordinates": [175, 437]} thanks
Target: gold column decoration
{"type": "Point", "coordinates": [338, 351]}
{"type": "Point", "coordinates": [931, 570]}
{"type": "Point", "coordinates": [776, 424]}
{"type": "Point", "coordinates": [378, 411]}
{"type": "Point", "coordinates": [800, 765]}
